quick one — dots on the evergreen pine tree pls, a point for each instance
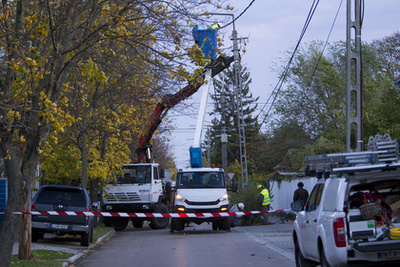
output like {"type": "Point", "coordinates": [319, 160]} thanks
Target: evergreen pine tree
{"type": "Point", "coordinates": [225, 105]}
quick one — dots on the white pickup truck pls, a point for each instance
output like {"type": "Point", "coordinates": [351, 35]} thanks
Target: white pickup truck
{"type": "Point", "coordinates": [352, 216]}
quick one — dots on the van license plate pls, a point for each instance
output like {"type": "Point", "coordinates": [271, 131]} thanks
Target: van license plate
{"type": "Point", "coordinates": [59, 226]}
{"type": "Point", "coordinates": [389, 255]}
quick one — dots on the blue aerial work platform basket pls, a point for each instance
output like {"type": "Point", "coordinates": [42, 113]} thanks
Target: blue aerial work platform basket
{"type": "Point", "coordinates": [207, 41]}
{"type": "Point", "coordinates": [195, 157]}
{"type": "Point", "coordinates": [3, 196]}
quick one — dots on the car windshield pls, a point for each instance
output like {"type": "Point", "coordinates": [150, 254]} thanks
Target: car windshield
{"type": "Point", "coordinates": [60, 196]}
{"type": "Point", "coordinates": [135, 175]}
{"type": "Point", "coordinates": [200, 180]}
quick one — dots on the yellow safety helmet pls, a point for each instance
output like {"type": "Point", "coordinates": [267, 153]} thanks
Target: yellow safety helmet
{"type": "Point", "coordinates": [215, 26]}
{"type": "Point", "coordinates": [259, 186]}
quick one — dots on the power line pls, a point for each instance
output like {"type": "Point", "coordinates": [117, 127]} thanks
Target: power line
{"type": "Point", "coordinates": [280, 82]}
{"type": "Point", "coordinates": [244, 11]}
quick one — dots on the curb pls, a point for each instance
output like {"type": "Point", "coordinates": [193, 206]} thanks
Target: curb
{"type": "Point", "coordinates": [77, 256]}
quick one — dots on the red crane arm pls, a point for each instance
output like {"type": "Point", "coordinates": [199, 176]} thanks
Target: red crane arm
{"type": "Point", "coordinates": [170, 101]}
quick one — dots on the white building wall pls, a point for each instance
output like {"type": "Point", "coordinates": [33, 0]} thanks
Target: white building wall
{"type": "Point", "coordinates": [283, 193]}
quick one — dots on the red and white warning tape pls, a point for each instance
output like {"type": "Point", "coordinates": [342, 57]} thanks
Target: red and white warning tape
{"type": "Point", "coordinates": [145, 215]}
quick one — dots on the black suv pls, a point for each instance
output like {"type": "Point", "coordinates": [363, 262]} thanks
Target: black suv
{"type": "Point", "coordinates": [62, 198]}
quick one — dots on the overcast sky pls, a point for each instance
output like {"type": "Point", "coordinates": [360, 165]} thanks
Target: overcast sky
{"type": "Point", "coordinates": [273, 27]}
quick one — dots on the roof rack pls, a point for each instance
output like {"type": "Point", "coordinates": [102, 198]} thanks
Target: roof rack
{"type": "Point", "coordinates": [381, 150]}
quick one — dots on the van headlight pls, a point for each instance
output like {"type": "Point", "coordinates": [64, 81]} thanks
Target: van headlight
{"type": "Point", "coordinates": [223, 198]}
{"type": "Point", "coordinates": [179, 198]}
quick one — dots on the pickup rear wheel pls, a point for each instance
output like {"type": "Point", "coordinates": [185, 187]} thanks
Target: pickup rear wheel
{"type": "Point", "coordinates": [119, 223]}
{"type": "Point", "coordinates": [300, 260]}
{"type": "Point", "coordinates": [160, 223]}
{"type": "Point", "coordinates": [324, 262]}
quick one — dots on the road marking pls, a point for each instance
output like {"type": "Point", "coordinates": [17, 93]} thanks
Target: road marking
{"type": "Point", "coordinates": [269, 245]}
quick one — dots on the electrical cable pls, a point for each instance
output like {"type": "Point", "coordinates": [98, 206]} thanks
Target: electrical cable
{"type": "Point", "coordinates": [238, 16]}
{"type": "Point", "coordinates": [280, 82]}
{"type": "Point", "coordinates": [325, 45]}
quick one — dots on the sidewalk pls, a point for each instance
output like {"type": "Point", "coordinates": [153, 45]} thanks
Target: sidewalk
{"type": "Point", "coordinates": [72, 247]}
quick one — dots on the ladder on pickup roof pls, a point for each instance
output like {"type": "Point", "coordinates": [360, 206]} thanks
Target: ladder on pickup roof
{"type": "Point", "coordinates": [380, 150]}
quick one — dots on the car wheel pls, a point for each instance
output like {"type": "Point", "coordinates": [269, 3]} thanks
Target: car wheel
{"type": "Point", "coordinates": [160, 223]}
{"type": "Point", "coordinates": [36, 235]}
{"type": "Point", "coordinates": [323, 260]}
{"type": "Point", "coordinates": [300, 260]}
{"type": "Point", "coordinates": [137, 223]}
{"type": "Point", "coordinates": [119, 224]}
{"type": "Point", "coordinates": [85, 239]}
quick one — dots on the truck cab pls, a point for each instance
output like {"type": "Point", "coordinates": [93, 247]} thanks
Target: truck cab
{"type": "Point", "coordinates": [139, 189]}
{"type": "Point", "coordinates": [200, 190]}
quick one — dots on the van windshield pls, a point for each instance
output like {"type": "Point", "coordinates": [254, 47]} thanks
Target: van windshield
{"type": "Point", "coordinates": [135, 175]}
{"type": "Point", "coordinates": [200, 180]}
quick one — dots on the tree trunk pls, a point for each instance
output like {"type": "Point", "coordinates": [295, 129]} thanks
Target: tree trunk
{"type": "Point", "coordinates": [94, 197]}
{"type": "Point", "coordinates": [84, 151]}
{"type": "Point", "coordinates": [16, 201]}
{"type": "Point", "coordinates": [25, 233]}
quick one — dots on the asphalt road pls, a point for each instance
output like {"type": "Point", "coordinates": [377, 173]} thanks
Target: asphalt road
{"type": "Point", "coordinates": [198, 245]}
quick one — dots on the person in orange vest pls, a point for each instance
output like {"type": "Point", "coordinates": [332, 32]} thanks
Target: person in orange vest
{"type": "Point", "coordinates": [264, 200]}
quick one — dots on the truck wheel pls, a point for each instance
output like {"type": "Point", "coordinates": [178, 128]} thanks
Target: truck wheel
{"type": "Point", "coordinates": [179, 225]}
{"type": "Point", "coordinates": [324, 262]}
{"type": "Point", "coordinates": [160, 223]}
{"type": "Point", "coordinates": [225, 225]}
{"type": "Point", "coordinates": [300, 260]}
{"type": "Point", "coordinates": [215, 226]}
{"type": "Point", "coordinates": [137, 223]}
{"type": "Point", "coordinates": [119, 224]}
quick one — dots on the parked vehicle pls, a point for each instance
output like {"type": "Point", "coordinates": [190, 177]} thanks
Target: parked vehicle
{"type": "Point", "coordinates": [353, 215]}
{"type": "Point", "coordinates": [62, 198]}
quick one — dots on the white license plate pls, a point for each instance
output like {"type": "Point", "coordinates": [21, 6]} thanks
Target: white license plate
{"type": "Point", "coordinates": [389, 255]}
{"type": "Point", "coordinates": [59, 226]}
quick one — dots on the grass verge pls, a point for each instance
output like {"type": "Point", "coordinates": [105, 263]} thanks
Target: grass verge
{"type": "Point", "coordinates": [50, 258]}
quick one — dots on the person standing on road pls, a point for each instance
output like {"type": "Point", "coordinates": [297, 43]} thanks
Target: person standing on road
{"type": "Point", "coordinates": [264, 200]}
{"type": "Point", "coordinates": [300, 193]}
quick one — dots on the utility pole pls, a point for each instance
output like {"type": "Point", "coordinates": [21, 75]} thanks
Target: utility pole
{"type": "Point", "coordinates": [354, 126]}
{"type": "Point", "coordinates": [239, 105]}
{"type": "Point", "coordinates": [239, 108]}
{"type": "Point", "coordinates": [224, 136]}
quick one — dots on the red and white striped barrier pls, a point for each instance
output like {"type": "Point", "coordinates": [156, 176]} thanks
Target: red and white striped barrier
{"type": "Point", "coordinates": [145, 214]}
